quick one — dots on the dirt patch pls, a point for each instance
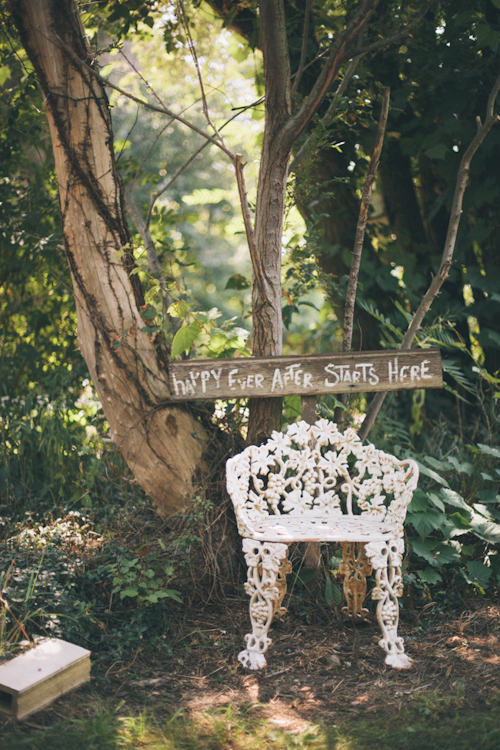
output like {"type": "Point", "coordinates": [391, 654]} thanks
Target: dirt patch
{"type": "Point", "coordinates": [315, 672]}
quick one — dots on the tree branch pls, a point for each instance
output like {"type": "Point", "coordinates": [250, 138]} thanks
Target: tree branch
{"type": "Point", "coordinates": [360, 234]}
{"type": "Point", "coordinates": [375, 46]}
{"type": "Point", "coordinates": [153, 260]}
{"type": "Point", "coordinates": [361, 226]}
{"type": "Point", "coordinates": [162, 110]}
{"type": "Point", "coordinates": [299, 157]}
{"type": "Point", "coordinates": [449, 247]}
{"type": "Point", "coordinates": [303, 52]}
{"type": "Point", "coordinates": [339, 50]}
{"type": "Point", "coordinates": [252, 246]}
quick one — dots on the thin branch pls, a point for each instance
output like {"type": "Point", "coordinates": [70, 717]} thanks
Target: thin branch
{"type": "Point", "coordinates": [192, 49]}
{"type": "Point", "coordinates": [360, 233]}
{"type": "Point", "coordinates": [188, 162]}
{"type": "Point", "coordinates": [299, 157]}
{"type": "Point", "coordinates": [449, 247]}
{"type": "Point", "coordinates": [375, 46]}
{"type": "Point", "coordinates": [153, 260]}
{"type": "Point", "coordinates": [361, 226]}
{"type": "Point", "coordinates": [254, 255]}
{"type": "Point", "coordinates": [161, 110]}
{"type": "Point", "coordinates": [303, 52]}
{"type": "Point", "coordinates": [355, 58]}
{"type": "Point", "coordinates": [338, 51]}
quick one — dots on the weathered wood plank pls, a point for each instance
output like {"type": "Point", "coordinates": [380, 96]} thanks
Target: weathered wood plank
{"type": "Point", "coordinates": [39, 676]}
{"type": "Point", "coordinates": [362, 372]}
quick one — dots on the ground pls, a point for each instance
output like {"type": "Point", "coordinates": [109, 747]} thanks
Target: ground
{"type": "Point", "coordinates": [325, 681]}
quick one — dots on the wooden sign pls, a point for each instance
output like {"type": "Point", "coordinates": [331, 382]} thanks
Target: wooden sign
{"type": "Point", "coordinates": [204, 379]}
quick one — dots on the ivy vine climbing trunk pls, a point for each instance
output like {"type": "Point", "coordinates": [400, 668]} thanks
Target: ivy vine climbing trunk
{"type": "Point", "coordinates": [163, 445]}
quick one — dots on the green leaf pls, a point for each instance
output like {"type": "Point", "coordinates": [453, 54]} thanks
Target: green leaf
{"type": "Point", "coordinates": [477, 573]}
{"type": "Point", "coordinates": [178, 309]}
{"type": "Point", "coordinates": [488, 531]}
{"type": "Point", "coordinates": [488, 496]}
{"type": "Point", "coordinates": [237, 282]}
{"type": "Point", "coordinates": [461, 523]}
{"type": "Point", "coordinates": [435, 553]}
{"type": "Point", "coordinates": [129, 592]}
{"type": "Point", "coordinates": [333, 595]}
{"type": "Point", "coordinates": [462, 468]}
{"type": "Point", "coordinates": [429, 521]}
{"type": "Point", "coordinates": [486, 36]}
{"type": "Point", "coordinates": [172, 594]}
{"type": "Point", "coordinates": [120, 146]}
{"type": "Point", "coordinates": [418, 502]}
{"type": "Point", "coordinates": [489, 451]}
{"type": "Point", "coordinates": [148, 313]}
{"type": "Point", "coordinates": [429, 576]}
{"type": "Point", "coordinates": [435, 500]}
{"type": "Point", "coordinates": [185, 338]}
{"type": "Point", "coordinates": [432, 474]}
{"type": "Point", "coordinates": [453, 498]}
{"type": "Point", "coordinates": [439, 151]}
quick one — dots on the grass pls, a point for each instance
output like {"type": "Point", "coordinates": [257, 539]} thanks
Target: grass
{"type": "Point", "coordinates": [435, 723]}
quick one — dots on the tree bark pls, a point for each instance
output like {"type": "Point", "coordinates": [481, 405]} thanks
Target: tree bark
{"type": "Point", "coordinates": [162, 444]}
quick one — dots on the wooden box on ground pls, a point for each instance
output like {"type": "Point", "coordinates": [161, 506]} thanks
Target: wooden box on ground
{"type": "Point", "coordinates": [39, 676]}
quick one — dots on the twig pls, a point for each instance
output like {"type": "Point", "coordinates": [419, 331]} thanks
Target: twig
{"type": "Point", "coordinates": [161, 110]}
{"type": "Point", "coordinates": [350, 300]}
{"type": "Point", "coordinates": [333, 104]}
{"type": "Point", "coordinates": [449, 247]}
{"type": "Point", "coordinates": [303, 51]}
{"type": "Point", "coordinates": [375, 46]}
{"type": "Point", "coordinates": [188, 162]}
{"type": "Point", "coordinates": [361, 226]}
{"type": "Point", "coordinates": [192, 49]}
{"type": "Point", "coordinates": [153, 260]}
{"type": "Point", "coordinates": [254, 255]}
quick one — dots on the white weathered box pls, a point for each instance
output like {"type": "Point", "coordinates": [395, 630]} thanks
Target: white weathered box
{"type": "Point", "coordinates": [32, 680]}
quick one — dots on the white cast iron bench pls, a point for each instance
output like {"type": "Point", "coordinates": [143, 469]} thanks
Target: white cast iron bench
{"type": "Point", "coordinates": [316, 484]}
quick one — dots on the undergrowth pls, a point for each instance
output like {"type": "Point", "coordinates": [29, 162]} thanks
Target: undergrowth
{"type": "Point", "coordinates": [431, 724]}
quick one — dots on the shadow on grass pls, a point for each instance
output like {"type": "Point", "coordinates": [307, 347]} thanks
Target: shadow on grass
{"type": "Point", "coordinates": [433, 723]}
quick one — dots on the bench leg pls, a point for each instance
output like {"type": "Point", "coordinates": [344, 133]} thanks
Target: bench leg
{"type": "Point", "coordinates": [355, 566]}
{"type": "Point", "coordinates": [266, 585]}
{"type": "Point", "coordinates": [385, 558]}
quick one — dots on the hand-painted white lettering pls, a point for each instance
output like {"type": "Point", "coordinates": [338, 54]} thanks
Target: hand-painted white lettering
{"type": "Point", "coordinates": [307, 380]}
{"type": "Point", "coordinates": [356, 376]}
{"type": "Point", "coordinates": [424, 370]}
{"type": "Point", "coordinates": [230, 379]}
{"type": "Point", "coordinates": [414, 372]}
{"type": "Point", "coordinates": [364, 366]}
{"type": "Point", "coordinates": [189, 389]}
{"type": "Point", "coordinates": [330, 369]}
{"type": "Point", "coordinates": [374, 378]}
{"type": "Point", "coordinates": [289, 373]}
{"type": "Point", "coordinates": [205, 376]}
{"type": "Point", "coordinates": [344, 373]}
{"type": "Point", "coordinates": [393, 370]}
{"type": "Point", "coordinates": [259, 381]}
{"type": "Point", "coordinates": [178, 383]}
{"type": "Point", "coordinates": [194, 377]}
{"type": "Point", "coordinates": [216, 374]}
{"type": "Point", "coordinates": [402, 372]}
{"type": "Point", "coordinates": [277, 380]}
{"type": "Point", "coordinates": [250, 381]}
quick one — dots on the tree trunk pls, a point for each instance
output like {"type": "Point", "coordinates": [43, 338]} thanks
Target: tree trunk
{"type": "Point", "coordinates": [161, 444]}
{"type": "Point", "coordinates": [267, 324]}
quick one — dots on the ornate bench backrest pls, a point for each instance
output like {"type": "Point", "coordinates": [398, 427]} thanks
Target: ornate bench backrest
{"type": "Point", "coordinates": [315, 470]}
